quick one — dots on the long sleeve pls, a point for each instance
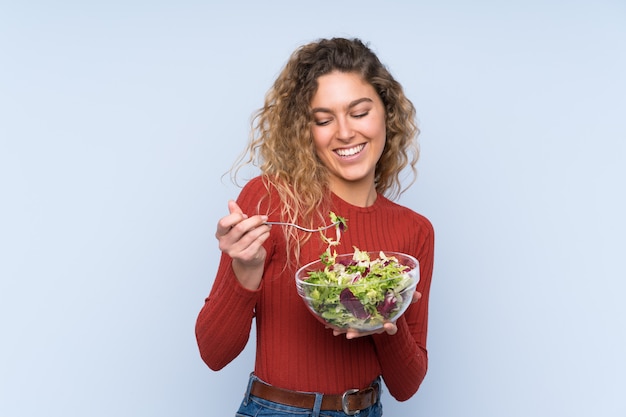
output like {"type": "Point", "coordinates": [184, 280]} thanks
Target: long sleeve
{"type": "Point", "coordinates": [224, 322]}
{"type": "Point", "coordinates": [387, 226]}
{"type": "Point", "coordinates": [403, 357]}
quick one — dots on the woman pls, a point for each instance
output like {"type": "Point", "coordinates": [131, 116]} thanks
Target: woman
{"type": "Point", "coordinates": [334, 134]}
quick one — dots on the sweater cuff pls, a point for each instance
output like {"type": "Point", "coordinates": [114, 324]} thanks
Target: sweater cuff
{"type": "Point", "coordinates": [400, 345]}
{"type": "Point", "coordinates": [231, 294]}
{"type": "Point", "coordinates": [240, 290]}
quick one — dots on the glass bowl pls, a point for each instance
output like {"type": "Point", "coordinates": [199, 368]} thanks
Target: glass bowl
{"type": "Point", "coordinates": [359, 291]}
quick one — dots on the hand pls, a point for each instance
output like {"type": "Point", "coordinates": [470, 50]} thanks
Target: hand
{"type": "Point", "coordinates": [389, 327]}
{"type": "Point", "coordinates": [242, 237]}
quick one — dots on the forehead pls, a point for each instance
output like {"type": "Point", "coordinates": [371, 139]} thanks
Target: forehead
{"type": "Point", "coordinates": [338, 88]}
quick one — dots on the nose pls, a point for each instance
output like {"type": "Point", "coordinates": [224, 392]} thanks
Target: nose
{"type": "Point", "coordinates": [345, 132]}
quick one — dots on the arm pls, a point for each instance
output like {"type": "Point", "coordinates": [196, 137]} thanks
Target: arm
{"type": "Point", "coordinates": [223, 325]}
{"type": "Point", "coordinates": [403, 357]}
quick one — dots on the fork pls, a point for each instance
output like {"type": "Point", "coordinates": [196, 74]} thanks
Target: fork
{"type": "Point", "coordinates": [304, 229]}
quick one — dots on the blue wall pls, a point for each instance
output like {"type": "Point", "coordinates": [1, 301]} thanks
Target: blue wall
{"type": "Point", "coordinates": [118, 119]}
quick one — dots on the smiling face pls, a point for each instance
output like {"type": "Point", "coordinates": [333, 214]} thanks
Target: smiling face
{"type": "Point", "coordinates": [349, 133]}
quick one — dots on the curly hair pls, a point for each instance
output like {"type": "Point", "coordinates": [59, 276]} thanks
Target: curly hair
{"type": "Point", "coordinates": [281, 143]}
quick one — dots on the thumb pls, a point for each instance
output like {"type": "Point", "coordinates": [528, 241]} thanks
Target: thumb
{"type": "Point", "coordinates": [233, 207]}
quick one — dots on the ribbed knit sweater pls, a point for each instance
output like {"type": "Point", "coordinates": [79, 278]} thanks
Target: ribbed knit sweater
{"type": "Point", "coordinates": [294, 350]}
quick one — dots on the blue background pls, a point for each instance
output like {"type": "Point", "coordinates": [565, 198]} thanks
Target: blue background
{"type": "Point", "coordinates": [118, 119]}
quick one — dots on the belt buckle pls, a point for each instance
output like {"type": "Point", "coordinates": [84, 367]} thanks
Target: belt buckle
{"type": "Point", "coordinates": [344, 402]}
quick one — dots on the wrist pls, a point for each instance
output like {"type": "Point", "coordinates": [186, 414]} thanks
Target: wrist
{"type": "Point", "coordinates": [248, 276]}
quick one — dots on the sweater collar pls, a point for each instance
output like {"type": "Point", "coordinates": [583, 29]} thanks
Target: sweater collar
{"type": "Point", "coordinates": [342, 206]}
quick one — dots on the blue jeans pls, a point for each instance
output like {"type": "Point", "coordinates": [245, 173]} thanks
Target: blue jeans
{"type": "Point", "coordinates": [252, 406]}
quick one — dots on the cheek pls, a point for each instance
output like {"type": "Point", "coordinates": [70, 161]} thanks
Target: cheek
{"type": "Point", "coordinates": [383, 127]}
{"type": "Point", "coordinates": [382, 136]}
{"type": "Point", "coordinates": [380, 132]}
{"type": "Point", "coordinates": [377, 128]}
{"type": "Point", "coordinates": [320, 141]}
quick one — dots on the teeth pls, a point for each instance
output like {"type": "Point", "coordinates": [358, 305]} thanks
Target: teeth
{"type": "Point", "coordinates": [351, 151]}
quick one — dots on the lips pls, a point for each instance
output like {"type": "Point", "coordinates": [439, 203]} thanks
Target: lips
{"type": "Point", "coordinates": [350, 151]}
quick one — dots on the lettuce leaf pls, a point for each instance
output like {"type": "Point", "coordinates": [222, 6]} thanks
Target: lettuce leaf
{"type": "Point", "coordinates": [359, 292]}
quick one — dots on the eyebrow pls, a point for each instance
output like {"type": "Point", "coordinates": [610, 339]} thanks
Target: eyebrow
{"type": "Point", "coordinates": [350, 105]}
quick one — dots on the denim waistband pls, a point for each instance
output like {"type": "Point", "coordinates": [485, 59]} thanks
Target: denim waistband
{"type": "Point", "coordinates": [317, 407]}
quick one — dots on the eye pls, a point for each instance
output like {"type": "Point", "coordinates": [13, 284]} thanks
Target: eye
{"type": "Point", "coordinates": [360, 115]}
{"type": "Point", "coordinates": [322, 122]}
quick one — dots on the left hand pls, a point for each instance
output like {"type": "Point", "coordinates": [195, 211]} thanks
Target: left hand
{"type": "Point", "coordinates": [389, 327]}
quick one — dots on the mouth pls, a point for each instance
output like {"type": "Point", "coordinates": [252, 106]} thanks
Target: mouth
{"type": "Point", "coordinates": [346, 152]}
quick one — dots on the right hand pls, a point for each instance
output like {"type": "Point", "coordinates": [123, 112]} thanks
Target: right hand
{"type": "Point", "coordinates": [242, 237]}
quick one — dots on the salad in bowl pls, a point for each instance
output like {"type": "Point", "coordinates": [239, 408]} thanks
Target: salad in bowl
{"type": "Point", "coordinates": [361, 290]}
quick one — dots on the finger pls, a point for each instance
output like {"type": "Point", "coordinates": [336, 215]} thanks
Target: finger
{"type": "Point", "coordinates": [416, 297]}
{"type": "Point", "coordinates": [251, 227]}
{"type": "Point", "coordinates": [247, 246]}
{"type": "Point", "coordinates": [390, 328]}
{"type": "Point", "coordinates": [226, 223]}
{"type": "Point", "coordinates": [353, 334]}
{"type": "Point", "coordinates": [235, 216]}
{"type": "Point", "coordinates": [243, 237]}
{"type": "Point", "coordinates": [233, 207]}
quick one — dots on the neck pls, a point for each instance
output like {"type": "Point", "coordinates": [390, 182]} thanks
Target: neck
{"type": "Point", "coordinates": [360, 195]}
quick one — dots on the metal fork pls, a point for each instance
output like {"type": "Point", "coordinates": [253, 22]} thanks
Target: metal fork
{"type": "Point", "coordinates": [304, 229]}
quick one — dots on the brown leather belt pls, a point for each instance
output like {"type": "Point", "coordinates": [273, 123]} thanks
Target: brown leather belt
{"type": "Point", "coordinates": [350, 402]}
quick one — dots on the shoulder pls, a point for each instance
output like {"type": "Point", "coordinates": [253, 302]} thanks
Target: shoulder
{"type": "Point", "coordinates": [254, 184]}
{"type": "Point", "coordinates": [257, 186]}
{"type": "Point", "coordinates": [257, 194]}
{"type": "Point", "coordinates": [414, 232]}
{"type": "Point", "coordinates": [405, 214]}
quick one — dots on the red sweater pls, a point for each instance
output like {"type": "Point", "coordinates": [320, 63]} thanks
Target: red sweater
{"type": "Point", "coordinates": [294, 350]}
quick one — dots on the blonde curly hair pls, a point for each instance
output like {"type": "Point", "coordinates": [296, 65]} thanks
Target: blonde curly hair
{"type": "Point", "coordinates": [281, 143]}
